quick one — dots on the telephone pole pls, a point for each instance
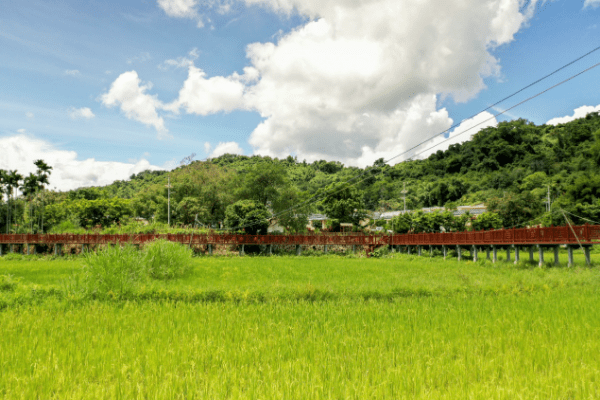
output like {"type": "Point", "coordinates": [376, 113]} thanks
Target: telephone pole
{"type": "Point", "coordinates": [404, 195]}
{"type": "Point", "coordinates": [548, 203]}
{"type": "Point", "coordinates": [169, 200]}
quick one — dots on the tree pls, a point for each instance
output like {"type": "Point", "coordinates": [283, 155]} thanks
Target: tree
{"type": "Point", "coordinates": [189, 210]}
{"type": "Point", "coordinates": [43, 173]}
{"type": "Point", "coordinates": [263, 182]}
{"type": "Point", "coordinates": [248, 215]}
{"type": "Point", "coordinates": [12, 179]}
{"type": "Point", "coordinates": [292, 210]}
{"type": "Point", "coordinates": [29, 189]}
{"type": "Point", "coordinates": [343, 204]}
{"type": "Point", "coordinates": [487, 221]}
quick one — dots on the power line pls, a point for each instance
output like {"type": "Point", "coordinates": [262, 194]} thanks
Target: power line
{"type": "Point", "coordinates": [315, 197]}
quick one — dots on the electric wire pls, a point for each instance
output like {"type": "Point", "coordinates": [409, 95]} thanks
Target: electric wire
{"type": "Point", "coordinates": [315, 197]}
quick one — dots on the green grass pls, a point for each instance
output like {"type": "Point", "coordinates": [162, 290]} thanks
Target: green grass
{"type": "Point", "coordinates": [301, 327]}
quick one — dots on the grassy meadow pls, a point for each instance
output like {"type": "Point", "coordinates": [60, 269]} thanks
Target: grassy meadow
{"type": "Point", "coordinates": [325, 327]}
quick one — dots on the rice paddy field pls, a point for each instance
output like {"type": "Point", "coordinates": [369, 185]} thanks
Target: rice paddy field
{"type": "Point", "coordinates": [329, 327]}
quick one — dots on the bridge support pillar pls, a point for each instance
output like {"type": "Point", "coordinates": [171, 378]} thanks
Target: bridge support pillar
{"type": "Point", "coordinates": [354, 249]}
{"type": "Point", "coordinates": [408, 250]}
{"type": "Point", "coordinates": [210, 250]}
{"type": "Point", "coordinates": [298, 249]}
{"type": "Point", "coordinates": [271, 249]}
{"type": "Point", "coordinates": [1, 249]}
{"type": "Point", "coordinates": [27, 248]}
{"type": "Point", "coordinates": [541, 250]}
{"type": "Point", "coordinates": [430, 251]}
{"type": "Point", "coordinates": [83, 248]}
{"type": "Point", "coordinates": [530, 253]}
{"type": "Point", "coordinates": [487, 253]}
{"type": "Point", "coordinates": [494, 254]}
{"type": "Point", "coordinates": [556, 262]}
{"type": "Point", "coordinates": [570, 255]}
{"type": "Point", "coordinates": [419, 250]}
{"type": "Point", "coordinates": [56, 249]}
{"type": "Point", "coordinates": [508, 253]}
{"type": "Point", "coordinates": [458, 252]}
{"type": "Point", "coordinates": [445, 251]}
{"type": "Point", "coordinates": [325, 249]}
{"type": "Point", "coordinates": [586, 250]}
{"type": "Point", "coordinates": [516, 254]}
{"type": "Point", "coordinates": [241, 250]}
{"type": "Point", "coordinates": [474, 251]}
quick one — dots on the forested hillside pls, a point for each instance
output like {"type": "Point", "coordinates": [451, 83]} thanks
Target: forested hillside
{"type": "Point", "coordinates": [510, 168]}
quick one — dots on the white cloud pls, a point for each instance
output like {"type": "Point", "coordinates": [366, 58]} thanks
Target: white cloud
{"type": "Point", "coordinates": [22, 130]}
{"type": "Point", "coordinates": [72, 72]}
{"type": "Point", "coordinates": [207, 147]}
{"type": "Point", "coordinates": [20, 151]}
{"type": "Point", "coordinates": [361, 79]}
{"type": "Point", "coordinates": [203, 96]}
{"type": "Point", "coordinates": [591, 3]}
{"type": "Point", "coordinates": [226, 148]}
{"type": "Point", "coordinates": [179, 8]}
{"type": "Point", "coordinates": [180, 62]}
{"type": "Point", "coordinates": [141, 58]}
{"type": "Point", "coordinates": [83, 112]}
{"type": "Point", "coordinates": [580, 112]}
{"type": "Point", "coordinates": [129, 93]}
{"type": "Point", "coordinates": [29, 115]}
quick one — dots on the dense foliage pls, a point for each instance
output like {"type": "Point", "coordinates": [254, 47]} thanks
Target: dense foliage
{"type": "Point", "coordinates": [512, 168]}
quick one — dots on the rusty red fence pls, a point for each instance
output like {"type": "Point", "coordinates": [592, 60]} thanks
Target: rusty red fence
{"type": "Point", "coordinates": [584, 234]}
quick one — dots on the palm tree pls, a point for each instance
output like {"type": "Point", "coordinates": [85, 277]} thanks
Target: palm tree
{"type": "Point", "coordinates": [4, 189]}
{"type": "Point", "coordinates": [29, 188]}
{"type": "Point", "coordinates": [43, 172]}
{"type": "Point", "coordinates": [12, 178]}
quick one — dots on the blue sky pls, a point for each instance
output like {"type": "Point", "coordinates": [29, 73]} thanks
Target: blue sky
{"type": "Point", "coordinates": [103, 89]}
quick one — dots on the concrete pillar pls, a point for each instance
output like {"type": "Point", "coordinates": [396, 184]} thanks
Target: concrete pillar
{"type": "Point", "coordinates": [56, 249]}
{"type": "Point", "coordinates": [570, 253]}
{"type": "Point", "coordinates": [474, 251]}
{"type": "Point", "coordinates": [242, 250]}
{"type": "Point", "coordinates": [210, 249]}
{"type": "Point", "coordinates": [354, 248]}
{"type": "Point", "coordinates": [408, 249]}
{"type": "Point", "coordinates": [430, 251]}
{"type": "Point", "coordinates": [508, 253]}
{"type": "Point", "coordinates": [586, 250]}
{"type": "Point", "coordinates": [517, 258]}
{"type": "Point", "coordinates": [271, 249]}
{"type": "Point", "coordinates": [419, 250]}
{"type": "Point", "coordinates": [556, 256]}
{"type": "Point", "coordinates": [487, 253]}
{"type": "Point", "coordinates": [27, 248]}
{"type": "Point", "coordinates": [541, 250]}
{"type": "Point", "coordinates": [445, 251]}
{"type": "Point", "coordinates": [325, 249]}
{"type": "Point", "coordinates": [531, 253]}
{"type": "Point", "coordinates": [458, 252]}
{"type": "Point", "coordinates": [298, 249]}
{"type": "Point", "coordinates": [1, 249]}
{"type": "Point", "coordinates": [494, 254]}
{"type": "Point", "coordinates": [82, 248]}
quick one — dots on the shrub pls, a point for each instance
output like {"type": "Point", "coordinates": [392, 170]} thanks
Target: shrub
{"type": "Point", "coordinates": [167, 260]}
{"type": "Point", "coordinates": [7, 283]}
{"type": "Point", "coordinates": [113, 269]}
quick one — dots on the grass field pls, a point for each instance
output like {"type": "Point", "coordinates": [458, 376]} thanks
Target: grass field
{"type": "Point", "coordinates": [305, 327]}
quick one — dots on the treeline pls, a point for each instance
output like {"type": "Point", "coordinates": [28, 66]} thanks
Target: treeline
{"type": "Point", "coordinates": [512, 168]}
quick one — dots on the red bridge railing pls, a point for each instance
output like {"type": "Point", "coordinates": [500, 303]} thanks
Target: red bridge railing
{"type": "Point", "coordinates": [584, 234]}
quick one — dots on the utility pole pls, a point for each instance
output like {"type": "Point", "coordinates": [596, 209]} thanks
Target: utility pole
{"type": "Point", "coordinates": [548, 203]}
{"type": "Point", "coordinates": [404, 195]}
{"type": "Point", "coordinates": [169, 200]}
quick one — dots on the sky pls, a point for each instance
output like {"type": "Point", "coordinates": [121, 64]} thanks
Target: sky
{"type": "Point", "coordinates": [104, 89]}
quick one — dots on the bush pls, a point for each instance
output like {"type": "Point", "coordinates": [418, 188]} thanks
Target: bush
{"type": "Point", "coordinates": [114, 269]}
{"type": "Point", "coordinates": [167, 260]}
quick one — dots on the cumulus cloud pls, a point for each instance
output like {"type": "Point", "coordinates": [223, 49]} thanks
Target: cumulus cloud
{"type": "Point", "coordinates": [72, 72]}
{"type": "Point", "coordinates": [83, 112]}
{"type": "Point", "coordinates": [202, 96]}
{"type": "Point", "coordinates": [128, 92]}
{"type": "Point", "coordinates": [580, 112]}
{"type": "Point", "coordinates": [20, 151]}
{"type": "Point", "coordinates": [226, 148]}
{"type": "Point", "coordinates": [591, 3]}
{"type": "Point", "coordinates": [22, 130]}
{"type": "Point", "coordinates": [29, 115]}
{"type": "Point", "coordinates": [361, 79]}
{"type": "Point", "coordinates": [207, 147]}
